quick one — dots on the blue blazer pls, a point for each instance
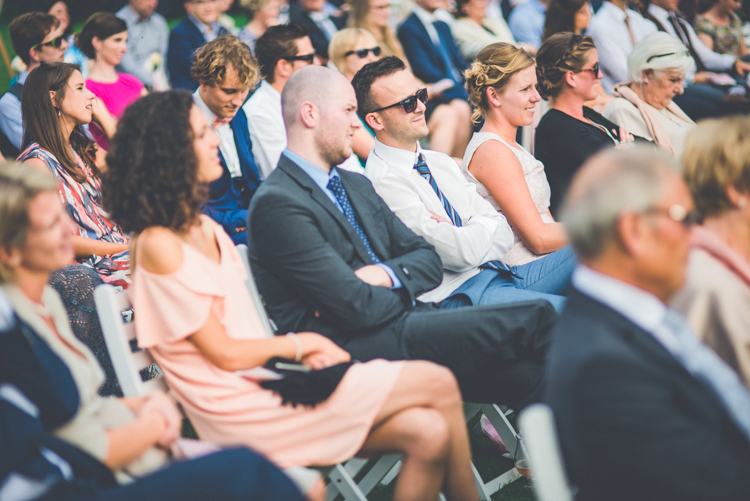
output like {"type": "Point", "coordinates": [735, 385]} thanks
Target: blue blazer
{"type": "Point", "coordinates": [229, 198]}
{"type": "Point", "coordinates": [184, 39]}
{"type": "Point", "coordinates": [424, 57]}
{"type": "Point", "coordinates": [317, 36]}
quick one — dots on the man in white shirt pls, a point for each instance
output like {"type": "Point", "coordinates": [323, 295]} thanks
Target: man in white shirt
{"type": "Point", "coordinates": [147, 39]}
{"type": "Point", "coordinates": [616, 29]}
{"type": "Point", "coordinates": [280, 51]}
{"type": "Point", "coordinates": [427, 191]}
{"type": "Point", "coordinates": [220, 102]}
{"type": "Point", "coordinates": [643, 409]}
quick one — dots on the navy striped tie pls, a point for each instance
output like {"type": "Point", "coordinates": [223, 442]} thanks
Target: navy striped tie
{"type": "Point", "coordinates": [424, 171]}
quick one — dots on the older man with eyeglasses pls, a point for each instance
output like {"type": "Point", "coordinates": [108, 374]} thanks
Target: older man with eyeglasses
{"type": "Point", "coordinates": [643, 409]}
{"type": "Point", "coordinates": [37, 38]}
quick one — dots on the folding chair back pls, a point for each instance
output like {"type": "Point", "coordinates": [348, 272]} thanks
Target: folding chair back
{"type": "Point", "coordinates": [254, 294]}
{"type": "Point", "coordinates": [540, 436]}
{"type": "Point", "coordinates": [129, 361]}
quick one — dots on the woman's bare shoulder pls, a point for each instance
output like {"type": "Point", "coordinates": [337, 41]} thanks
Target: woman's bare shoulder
{"type": "Point", "coordinates": [160, 250]}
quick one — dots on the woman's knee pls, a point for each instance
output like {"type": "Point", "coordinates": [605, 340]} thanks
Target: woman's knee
{"type": "Point", "coordinates": [428, 435]}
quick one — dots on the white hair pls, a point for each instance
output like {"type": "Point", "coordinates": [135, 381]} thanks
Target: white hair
{"type": "Point", "coordinates": [665, 53]}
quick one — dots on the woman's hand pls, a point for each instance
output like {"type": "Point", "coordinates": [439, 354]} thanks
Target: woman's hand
{"type": "Point", "coordinates": [162, 405]}
{"type": "Point", "coordinates": [320, 352]}
{"type": "Point", "coordinates": [625, 136]}
{"type": "Point", "coordinates": [103, 118]}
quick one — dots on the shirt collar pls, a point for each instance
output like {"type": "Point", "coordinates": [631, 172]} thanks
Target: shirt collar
{"type": "Point", "coordinates": [640, 307]}
{"type": "Point", "coordinates": [205, 29]}
{"type": "Point", "coordinates": [318, 175]}
{"type": "Point", "coordinates": [424, 16]}
{"type": "Point", "coordinates": [7, 320]}
{"type": "Point", "coordinates": [22, 77]}
{"type": "Point", "coordinates": [267, 87]}
{"type": "Point", "coordinates": [209, 115]}
{"type": "Point", "coordinates": [657, 11]}
{"type": "Point", "coordinates": [539, 6]}
{"type": "Point", "coordinates": [397, 157]}
{"type": "Point", "coordinates": [131, 15]}
{"type": "Point", "coordinates": [615, 11]}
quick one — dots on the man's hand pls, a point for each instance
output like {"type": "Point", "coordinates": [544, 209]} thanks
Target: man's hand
{"type": "Point", "coordinates": [741, 67]}
{"type": "Point", "coordinates": [374, 275]}
{"type": "Point", "coordinates": [440, 219]}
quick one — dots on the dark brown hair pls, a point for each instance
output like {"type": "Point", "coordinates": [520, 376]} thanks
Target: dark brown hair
{"type": "Point", "coordinates": [101, 25]}
{"type": "Point", "coordinates": [41, 123]}
{"type": "Point", "coordinates": [277, 43]}
{"type": "Point", "coordinates": [561, 15]}
{"type": "Point", "coordinates": [152, 169]}
{"type": "Point", "coordinates": [365, 77]}
{"type": "Point", "coordinates": [29, 30]}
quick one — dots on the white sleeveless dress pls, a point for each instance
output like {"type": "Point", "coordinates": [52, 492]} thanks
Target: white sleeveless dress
{"type": "Point", "coordinates": [536, 180]}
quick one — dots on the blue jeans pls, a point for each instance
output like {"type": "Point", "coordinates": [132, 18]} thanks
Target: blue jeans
{"type": "Point", "coordinates": [545, 278]}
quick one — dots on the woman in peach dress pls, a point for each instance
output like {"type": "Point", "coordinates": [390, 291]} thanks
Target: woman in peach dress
{"type": "Point", "coordinates": [195, 315]}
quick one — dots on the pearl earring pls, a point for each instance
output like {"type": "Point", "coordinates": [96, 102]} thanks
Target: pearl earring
{"type": "Point", "coordinates": [645, 80]}
{"type": "Point", "coordinates": [742, 203]}
{"type": "Point", "coordinates": [59, 114]}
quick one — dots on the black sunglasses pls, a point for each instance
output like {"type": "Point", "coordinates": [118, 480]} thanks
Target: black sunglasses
{"type": "Point", "coordinates": [594, 69]}
{"type": "Point", "coordinates": [362, 53]}
{"type": "Point", "coordinates": [409, 104]}
{"type": "Point", "coordinates": [55, 42]}
{"type": "Point", "coordinates": [307, 57]}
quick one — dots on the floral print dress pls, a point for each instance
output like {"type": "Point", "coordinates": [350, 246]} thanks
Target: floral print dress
{"type": "Point", "coordinates": [83, 203]}
{"type": "Point", "coordinates": [727, 39]}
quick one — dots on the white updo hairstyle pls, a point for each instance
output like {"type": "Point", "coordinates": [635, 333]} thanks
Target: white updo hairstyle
{"type": "Point", "coordinates": [659, 52]}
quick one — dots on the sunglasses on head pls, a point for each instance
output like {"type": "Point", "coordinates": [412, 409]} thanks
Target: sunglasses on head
{"type": "Point", "coordinates": [685, 53]}
{"type": "Point", "coordinates": [307, 57]}
{"type": "Point", "coordinates": [55, 42]}
{"type": "Point", "coordinates": [409, 104]}
{"type": "Point", "coordinates": [362, 53]}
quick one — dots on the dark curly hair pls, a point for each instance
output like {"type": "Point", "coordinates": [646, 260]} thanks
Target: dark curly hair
{"type": "Point", "coordinates": [559, 54]}
{"type": "Point", "coordinates": [152, 166]}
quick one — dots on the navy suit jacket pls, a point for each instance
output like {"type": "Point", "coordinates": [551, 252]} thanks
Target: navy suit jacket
{"type": "Point", "coordinates": [424, 57]}
{"type": "Point", "coordinates": [632, 422]}
{"type": "Point", "coordinates": [317, 36]}
{"type": "Point", "coordinates": [229, 198]}
{"type": "Point", "coordinates": [184, 39]}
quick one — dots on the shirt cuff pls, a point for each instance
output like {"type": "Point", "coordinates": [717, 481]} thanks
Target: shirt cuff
{"type": "Point", "coordinates": [394, 277]}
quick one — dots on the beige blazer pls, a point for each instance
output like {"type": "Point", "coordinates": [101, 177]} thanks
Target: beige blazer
{"type": "Point", "coordinates": [716, 302]}
{"type": "Point", "coordinates": [96, 414]}
{"type": "Point", "coordinates": [471, 37]}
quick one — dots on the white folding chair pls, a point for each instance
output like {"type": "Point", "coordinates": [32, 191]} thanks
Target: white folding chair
{"type": "Point", "coordinates": [540, 437]}
{"type": "Point", "coordinates": [116, 318]}
{"type": "Point", "coordinates": [260, 306]}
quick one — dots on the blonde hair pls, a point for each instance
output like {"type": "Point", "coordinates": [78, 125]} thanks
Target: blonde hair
{"type": "Point", "coordinates": [493, 67]}
{"type": "Point", "coordinates": [19, 184]}
{"type": "Point", "coordinates": [344, 41]}
{"type": "Point", "coordinates": [359, 14]}
{"type": "Point", "coordinates": [211, 62]}
{"type": "Point", "coordinates": [253, 6]}
{"type": "Point", "coordinates": [559, 54]}
{"type": "Point", "coordinates": [717, 155]}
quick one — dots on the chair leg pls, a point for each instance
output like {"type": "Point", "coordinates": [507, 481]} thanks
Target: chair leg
{"type": "Point", "coordinates": [501, 425]}
{"type": "Point", "coordinates": [378, 472]}
{"type": "Point", "coordinates": [344, 484]}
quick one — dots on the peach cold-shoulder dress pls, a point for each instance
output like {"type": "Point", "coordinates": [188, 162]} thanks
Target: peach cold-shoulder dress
{"type": "Point", "coordinates": [224, 407]}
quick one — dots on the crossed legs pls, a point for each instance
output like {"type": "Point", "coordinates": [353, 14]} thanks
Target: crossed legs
{"type": "Point", "coordinates": [423, 419]}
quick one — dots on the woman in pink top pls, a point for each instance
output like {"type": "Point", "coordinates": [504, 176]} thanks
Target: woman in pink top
{"type": "Point", "coordinates": [104, 39]}
{"type": "Point", "coordinates": [196, 317]}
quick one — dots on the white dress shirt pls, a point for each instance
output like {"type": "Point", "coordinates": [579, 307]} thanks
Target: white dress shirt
{"type": "Point", "coordinates": [227, 147]}
{"type": "Point", "coordinates": [613, 43]}
{"type": "Point", "coordinates": [712, 60]}
{"type": "Point", "coordinates": [485, 234]}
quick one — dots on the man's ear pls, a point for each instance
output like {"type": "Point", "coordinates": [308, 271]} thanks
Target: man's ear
{"type": "Point", "coordinates": [374, 121]}
{"type": "Point", "coordinates": [34, 55]}
{"type": "Point", "coordinates": [283, 68]}
{"type": "Point", "coordinates": [309, 114]}
{"type": "Point", "coordinates": [630, 233]}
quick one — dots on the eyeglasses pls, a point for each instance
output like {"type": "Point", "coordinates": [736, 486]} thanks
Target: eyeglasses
{"type": "Point", "coordinates": [677, 213]}
{"type": "Point", "coordinates": [684, 53]}
{"type": "Point", "coordinates": [55, 42]}
{"type": "Point", "coordinates": [307, 57]}
{"type": "Point", "coordinates": [362, 53]}
{"type": "Point", "coordinates": [409, 104]}
{"type": "Point", "coordinates": [594, 69]}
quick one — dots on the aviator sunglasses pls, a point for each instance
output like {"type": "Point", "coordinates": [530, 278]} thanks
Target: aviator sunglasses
{"type": "Point", "coordinates": [362, 53]}
{"type": "Point", "coordinates": [409, 104]}
{"type": "Point", "coordinates": [55, 42]}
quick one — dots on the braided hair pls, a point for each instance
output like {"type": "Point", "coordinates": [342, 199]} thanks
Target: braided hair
{"type": "Point", "coordinates": [559, 54]}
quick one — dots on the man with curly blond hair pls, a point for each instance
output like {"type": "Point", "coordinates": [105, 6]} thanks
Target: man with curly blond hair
{"type": "Point", "coordinates": [226, 72]}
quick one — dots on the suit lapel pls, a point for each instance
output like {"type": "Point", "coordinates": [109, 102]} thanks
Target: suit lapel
{"type": "Point", "coordinates": [369, 224]}
{"type": "Point", "coordinates": [320, 198]}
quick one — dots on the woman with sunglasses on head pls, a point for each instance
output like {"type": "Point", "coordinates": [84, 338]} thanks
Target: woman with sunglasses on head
{"type": "Point", "coordinates": [502, 87]}
{"type": "Point", "coordinates": [374, 16]}
{"type": "Point", "coordinates": [657, 66]}
{"type": "Point", "coordinates": [104, 39]}
{"type": "Point", "coordinates": [570, 132]}
{"type": "Point", "coordinates": [56, 105]}
{"type": "Point", "coordinates": [349, 50]}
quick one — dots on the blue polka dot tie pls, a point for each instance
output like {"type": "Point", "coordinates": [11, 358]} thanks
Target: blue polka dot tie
{"type": "Point", "coordinates": [334, 184]}
{"type": "Point", "coordinates": [424, 171]}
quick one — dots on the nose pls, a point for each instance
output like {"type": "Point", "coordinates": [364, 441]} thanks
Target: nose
{"type": "Point", "coordinates": [535, 96]}
{"type": "Point", "coordinates": [680, 88]}
{"type": "Point", "coordinates": [64, 45]}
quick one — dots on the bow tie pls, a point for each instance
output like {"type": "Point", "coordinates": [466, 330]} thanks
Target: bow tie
{"type": "Point", "coordinates": [218, 122]}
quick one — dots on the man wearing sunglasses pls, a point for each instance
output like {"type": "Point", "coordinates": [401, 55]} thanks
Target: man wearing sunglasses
{"type": "Point", "coordinates": [643, 409]}
{"type": "Point", "coordinates": [36, 38]}
{"type": "Point", "coordinates": [329, 256]}
{"type": "Point", "coordinates": [281, 51]}
{"type": "Point", "coordinates": [428, 192]}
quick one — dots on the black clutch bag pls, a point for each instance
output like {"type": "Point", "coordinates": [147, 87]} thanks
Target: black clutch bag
{"type": "Point", "coordinates": [300, 385]}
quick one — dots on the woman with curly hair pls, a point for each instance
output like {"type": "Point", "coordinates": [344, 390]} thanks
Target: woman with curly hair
{"type": "Point", "coordinates": [197, 319]}
{"type": "Point", "coordinates": [502, 87]}
{"type": "Point", "coordinates": [570, 132]}
{"type": "Point", "coordinates": [56, 105]}
{"type": "Point", "coordinates": [104, 40]}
